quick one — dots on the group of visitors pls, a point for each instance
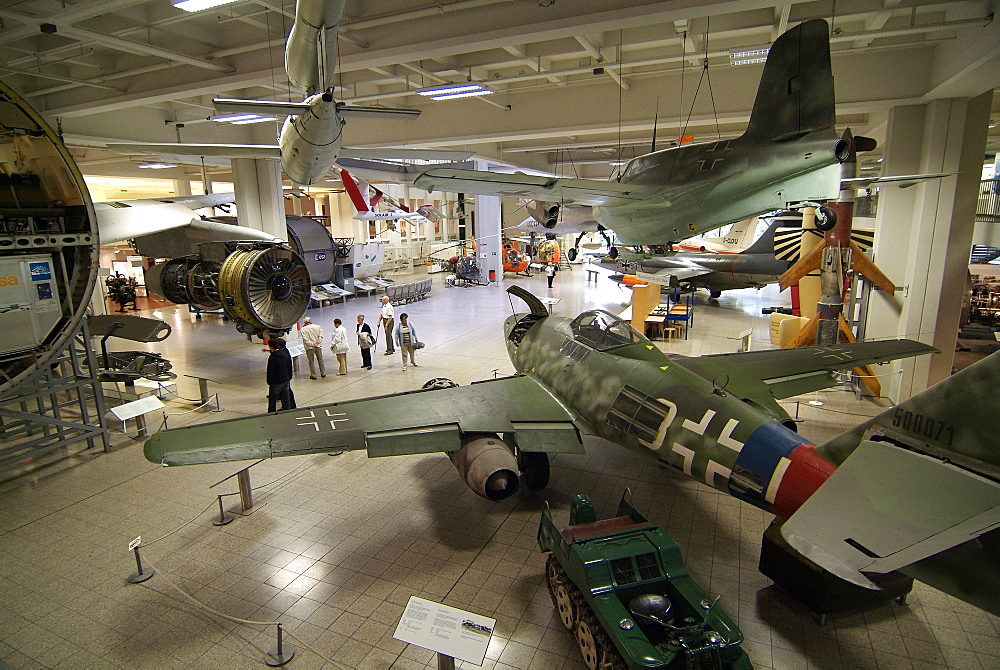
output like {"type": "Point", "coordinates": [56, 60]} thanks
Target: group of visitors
{"type": "Point", "coordinates": [400, 335]}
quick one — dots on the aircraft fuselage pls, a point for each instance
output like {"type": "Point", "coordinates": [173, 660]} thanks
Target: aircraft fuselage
{"type": "Point", "coordinates": [708, 185]}
{"type": "Point", "coordinates": [634, 396]}
{"type": "Point", "coordinates": [310, 142]}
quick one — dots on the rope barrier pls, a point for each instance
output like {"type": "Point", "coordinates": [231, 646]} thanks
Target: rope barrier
{"type": "Point", "coordinates": [247, 622]}
{"type": "Point", "coordinates": [183, 525]}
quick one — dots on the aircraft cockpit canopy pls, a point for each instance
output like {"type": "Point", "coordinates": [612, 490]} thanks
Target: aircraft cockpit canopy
{"type": "Point", "coordinates": [602, 330]}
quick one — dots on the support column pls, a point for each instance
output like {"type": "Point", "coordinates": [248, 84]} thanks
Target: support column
{"type": "Point", "coordinates": [924, 233]}
{"type": "Point", "coordinates": [259, 203]}
{"type": "Point", "coordinates": [182, 187]}
{"type": "Point", "coordinates": [488, 236]}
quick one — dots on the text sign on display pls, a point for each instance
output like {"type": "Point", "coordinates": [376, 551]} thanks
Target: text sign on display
{"type": "Point", "coordinates": [445, 630]}
{"type": "Point", "coordinates": [135, 543]}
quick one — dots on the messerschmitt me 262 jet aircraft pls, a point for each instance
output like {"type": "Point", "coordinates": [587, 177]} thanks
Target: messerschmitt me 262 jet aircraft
{"type": "Point", "coordinates": [788, 157]}
{"type": "Point", "coordinates": [715, 418]}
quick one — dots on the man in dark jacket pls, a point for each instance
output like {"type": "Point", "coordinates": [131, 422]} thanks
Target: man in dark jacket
{"type": "Point", "coordinates": [279, 376]}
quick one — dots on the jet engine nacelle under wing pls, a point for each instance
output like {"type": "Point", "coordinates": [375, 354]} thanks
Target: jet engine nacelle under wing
{"type": "Point", "coordinates": [487, 465]}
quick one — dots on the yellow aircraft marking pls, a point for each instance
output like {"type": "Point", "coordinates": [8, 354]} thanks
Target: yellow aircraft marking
{"type": "Point", "coordinates": [779, 472]}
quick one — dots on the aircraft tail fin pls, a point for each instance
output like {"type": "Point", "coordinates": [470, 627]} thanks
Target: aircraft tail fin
{"type": "Point", "coordinates": [795, 95]}
{"type": "Point", "coordinates": [742, 232]}
{"type": "Point", "coordinates": [357, 190]}
{"type": "Point", "coordinates": [765, 243]}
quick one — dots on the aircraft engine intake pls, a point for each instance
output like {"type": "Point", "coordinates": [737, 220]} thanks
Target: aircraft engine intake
{"type": "Point", "coordinates": [487, 466]}
{"type": "Point", "coordinates": [264, 286]}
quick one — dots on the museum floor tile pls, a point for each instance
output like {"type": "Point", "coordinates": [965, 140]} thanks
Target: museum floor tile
{"type": "Point", "coordinates": [336, 545]}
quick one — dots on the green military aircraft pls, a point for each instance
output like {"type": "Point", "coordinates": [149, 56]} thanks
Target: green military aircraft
{"type": "Point", "coordinates": [716, 418]}
{"type": "Point", "coordinates": [789, 156]}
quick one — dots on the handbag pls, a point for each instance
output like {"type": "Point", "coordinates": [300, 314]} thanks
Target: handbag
{"type": "Point", "coordinates": [418, 345]}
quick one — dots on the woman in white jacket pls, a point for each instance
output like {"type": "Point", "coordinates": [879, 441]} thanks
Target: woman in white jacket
{"type": "Point", "coordinates": [339, 345]}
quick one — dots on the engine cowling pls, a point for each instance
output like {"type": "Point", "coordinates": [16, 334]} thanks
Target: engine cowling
{"type": "Point", "coordinates": [487, 466]}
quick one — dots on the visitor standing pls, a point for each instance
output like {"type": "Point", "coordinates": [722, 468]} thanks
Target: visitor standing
{"type": "Point", "coordinates": [312, 340]}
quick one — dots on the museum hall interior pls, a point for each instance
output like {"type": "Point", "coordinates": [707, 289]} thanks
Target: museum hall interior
{"type": "Point", "coordinates": [513, 334]}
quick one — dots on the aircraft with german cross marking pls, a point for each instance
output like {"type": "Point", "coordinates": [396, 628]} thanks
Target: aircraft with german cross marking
{"type": "Point", "coordinates": [789, 157]}
{"type": "Point", "coordinates": [715, 418]}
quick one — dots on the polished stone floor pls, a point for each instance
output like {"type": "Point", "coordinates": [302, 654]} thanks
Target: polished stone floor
{"type": "Point", "coordinates": [337, 544]}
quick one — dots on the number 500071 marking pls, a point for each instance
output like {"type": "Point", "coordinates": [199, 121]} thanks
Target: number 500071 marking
{"type": "Point", "coordinates": [928, 427]}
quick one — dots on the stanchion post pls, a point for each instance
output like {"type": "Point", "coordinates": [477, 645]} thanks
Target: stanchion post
{"type": "Point", "coordinates": [218, 404]}
{"type": "Point", "coordinates": [224, 516]}
{"type": "Point", "coordinates": [246, 492]}
{"type": "Point", "coordinates": [165, 426]}
{"type": "Point", "coordinates": [283, 654]}
{"type": "Point", "coordinates": [138, 576]}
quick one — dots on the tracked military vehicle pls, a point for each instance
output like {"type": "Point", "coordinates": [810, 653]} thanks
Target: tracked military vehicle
{"type": "Point", "coordinates": [621, 587]}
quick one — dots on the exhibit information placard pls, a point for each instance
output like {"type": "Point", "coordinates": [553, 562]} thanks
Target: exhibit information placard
{"type": "Point", "coordinates": [445, 630]}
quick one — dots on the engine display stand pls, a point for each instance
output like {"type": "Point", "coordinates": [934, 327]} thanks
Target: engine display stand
{"type": "Point", "coordinates": [822, 592]}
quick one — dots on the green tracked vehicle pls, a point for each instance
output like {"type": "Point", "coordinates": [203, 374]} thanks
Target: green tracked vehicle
{"type": "Point", "coordinates": [621, 587]}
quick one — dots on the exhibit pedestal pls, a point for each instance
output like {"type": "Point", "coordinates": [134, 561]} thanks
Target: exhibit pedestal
{"type": "Point", "coordinates": [822, 592]}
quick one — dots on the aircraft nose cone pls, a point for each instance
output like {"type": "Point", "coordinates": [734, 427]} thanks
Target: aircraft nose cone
{"type": "Point", "coordinates": [497, 482]}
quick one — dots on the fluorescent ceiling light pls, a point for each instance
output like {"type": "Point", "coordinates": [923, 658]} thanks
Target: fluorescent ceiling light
{"type": "Point", "coordinates": [467, 94]}
{"type": "Point", "coordinates": [232, 118]}
{"type": "Point", "coordinates": [449, 88]}
{"type": "Point", "coordinates": [455, 91]}
{"type": "Point", "coordinates": [253, 119]}
{"type": "Point", "coordinates": [156, 166]}
{"type": "Point", "coordinates": [619, 162]}
{"type": "Point", "coordinates": [748, 56]}
{"type": "Point", "coordinates": [198, 5]}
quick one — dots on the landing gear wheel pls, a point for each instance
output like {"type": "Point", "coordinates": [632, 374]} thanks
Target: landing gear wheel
{"type": "Point", "coordinates": [584, 635]}
{"type": "Point", "coordinates": [826, 219]}
{"type": "Point", "coordinates": [613, 252]}
{"type": "Point", "coordinates": [714, 295]}
{"type": "Point", "coordinates": [534, 467]}
{"type": "Point", "coordinates": [571, 254]}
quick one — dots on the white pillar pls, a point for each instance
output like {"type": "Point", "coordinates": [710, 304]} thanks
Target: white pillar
{"type": "Point", "coordinates": [488, 235]}
{"type": "Point", "coordinates": [259, 203]}
{"type": "Point", "coordinates": [924, 233]}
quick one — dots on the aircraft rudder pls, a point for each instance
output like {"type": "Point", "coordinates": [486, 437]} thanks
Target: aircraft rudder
{"type": "Point", "coordinates": [354, 192]}
{"type": "Point", "coordinates": [795, 95]}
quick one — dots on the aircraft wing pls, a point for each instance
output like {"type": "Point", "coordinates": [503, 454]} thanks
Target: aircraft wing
{"type": "Point", "coordinates": [788, 372]}
{"type": "Point", "coordinates": [202, 201]}
{"type": "Point", "coordinates": [415, 422]}
{"type": "Point", "coordinates": [901, 181]}
{"type": "Point", "coordinates": [173, 149]}
{"type": "Point", "coordinates": [552, 189]}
